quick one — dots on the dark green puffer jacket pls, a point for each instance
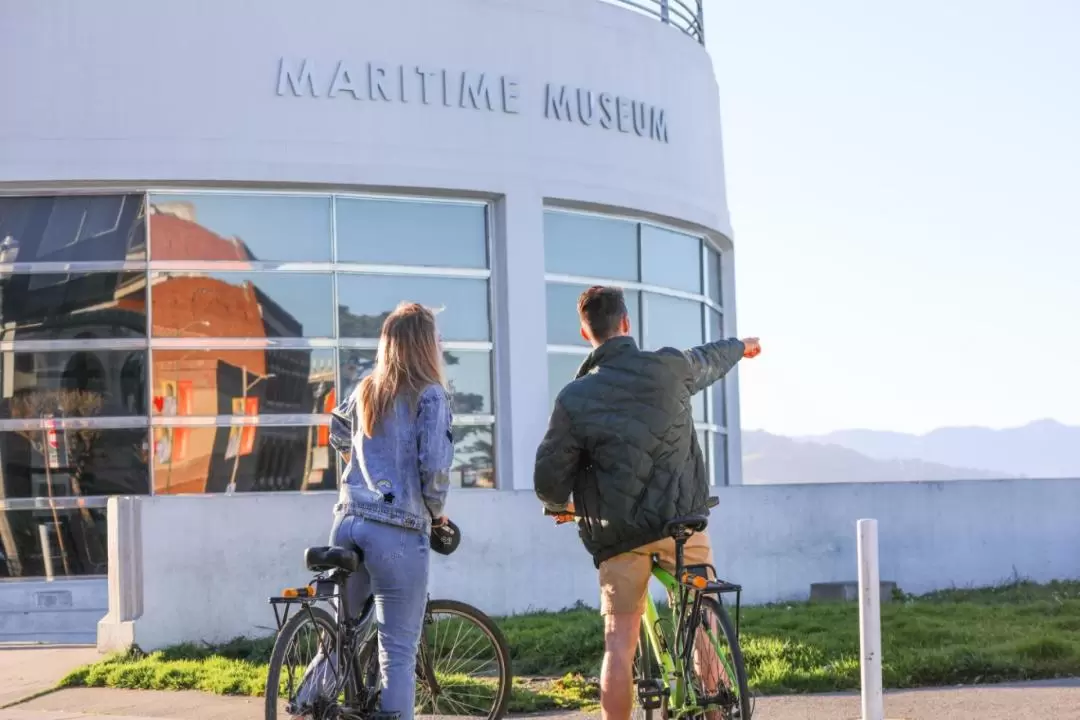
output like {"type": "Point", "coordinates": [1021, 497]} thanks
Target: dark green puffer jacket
{"type": "Point", "coordinates": [621, 442]}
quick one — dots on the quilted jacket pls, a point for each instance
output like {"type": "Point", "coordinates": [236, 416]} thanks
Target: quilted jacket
{"type": "Point", "coordinates": [621, 442]}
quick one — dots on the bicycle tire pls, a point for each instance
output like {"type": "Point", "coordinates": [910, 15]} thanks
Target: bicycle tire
{"type": "Point", "coordinates": [646, 668]}
{"type": "Point", "coordinates": [477, 617]}
{"type": "Point", "coordinates": [728, 629]}
{"type": "Point", "coordinates": [322, 619]}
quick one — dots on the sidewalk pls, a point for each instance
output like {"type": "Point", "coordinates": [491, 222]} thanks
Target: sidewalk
{"type": "Point", "coordinates": [27, 670]}
{"type": "Point", "coordinates": [1059, 700]}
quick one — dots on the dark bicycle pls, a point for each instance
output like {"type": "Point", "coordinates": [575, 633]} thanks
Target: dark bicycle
{"type": "Point", "coordinates": [690, 664]}
{"type": "Point", "coordinates": [462, 668]}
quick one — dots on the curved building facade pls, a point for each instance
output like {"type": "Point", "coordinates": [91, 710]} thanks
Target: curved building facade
{"type": "Point", "coordinates": [206, 209]}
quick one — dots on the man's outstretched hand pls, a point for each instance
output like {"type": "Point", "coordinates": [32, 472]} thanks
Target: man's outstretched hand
{"type": "Point", "coordinates": [752, 347]}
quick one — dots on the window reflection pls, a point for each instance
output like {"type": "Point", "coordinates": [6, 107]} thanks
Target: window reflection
{"type": "Point", "coordinates": [720, 458]}
{"type": "Point", "coordinates": [562, 369]}
{"type": "Point", "coordinates": [242, 381]}
{"type": "Point", "coordinates": [467, 372]}
{"type": "Point", "coordinates": [252, 458]}
{"type": "Point", "coordinates": [409, 232]}
{"type": "Point", "coordinates": [563, 324]}
{"type": "Point", "coordinates": [474, 457]}
{"type": "Point", "coordinates": [280, 228]}
{"type": "Point", "coordinates": [51, 543]}
{"type": "Point", "coordinates": [366, 300]}
{"type": "Point", "coordinates": [590, 246]}
{"type": "Point", "coordinates": [247, 305]}
{"type": "Point", "coordinates": [714, 279]}
{"type": "Point", "coordinates": [51, 462]}
{"type": "Point", "coordinates": [670, 259]}
{"type": "Point", "coordinates": [717, 392]}
{"type": "Point", "coordinates": [83, 383]}
{"type": "Point", "coordinates": [74, 228]}
{"type": "Point", "coordinates": [55, 306]}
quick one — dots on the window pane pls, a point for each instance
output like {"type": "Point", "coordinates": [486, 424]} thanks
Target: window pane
{"type": "Point", "coordinates": [718, 392]}
{"type": "Point", "coordinates": [713, 277]}
{"type": "Point", "coordinates": [53, 543]}
{"type": "Point", "coordinates": [720, 458]}
{"type": "Point", "coordinates": [280, 228]}
{"type": "Point", "coordinates": [212, 382]}
{"type": "Point", "coordinates": [563, 325]}
{"type": "Point", "coordinates": [84, 383]}
{"type": "Point", "coordinates": [468, 372]}
{"type": "Point", "coordinates": [81, 462]}
{"type": "Point", "coordinates": [260, 458]}
{"type": "Point", "coordinates": [590, 246]}
{"type": "Point", "coordinates": [670, 259]}
{"type": "Point", "coordinates": [399, 232]}
{"type": "Point", "coordinates": [73, 305]}
{"type": "Point", "coordinates": [74, 228]}
{"type": "Point", "coordinates": [673, 322]}
{"type": "Point", "coordinates": [366, 300]}
{"type": "Point", "coordinates": [237, 304]}
{"type": "Point", "coordinates": [562, 369]}
{"type": "Point", "coordinates": [474, 456]}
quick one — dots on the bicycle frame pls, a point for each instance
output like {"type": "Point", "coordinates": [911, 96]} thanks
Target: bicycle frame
{"type": "Point", "coordinates": [675, 656]}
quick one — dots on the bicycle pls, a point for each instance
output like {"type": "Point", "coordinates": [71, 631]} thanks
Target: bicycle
{"type": "Point", "coordinates": [316, 689]}
{"type": "Point", "coordinates": [668, 677]}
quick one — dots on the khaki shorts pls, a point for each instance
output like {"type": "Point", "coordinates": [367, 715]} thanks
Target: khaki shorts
{"type": "Point", "coordinates": [624, 579]}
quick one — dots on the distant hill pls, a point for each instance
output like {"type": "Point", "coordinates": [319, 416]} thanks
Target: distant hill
{"type": "Point", "coordinates": [1043, 449]}
{"type": "Point", "coordinates": [775, 459]}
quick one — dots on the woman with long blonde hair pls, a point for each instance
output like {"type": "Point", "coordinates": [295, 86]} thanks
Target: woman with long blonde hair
{"type": "Point", "coordinates": [394, 433]}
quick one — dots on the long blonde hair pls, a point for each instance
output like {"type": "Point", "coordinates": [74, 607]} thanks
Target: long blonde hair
{"type": "Point", "coordinates": [409, 359]}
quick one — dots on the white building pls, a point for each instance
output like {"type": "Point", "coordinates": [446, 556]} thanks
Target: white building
{"type": "Point", "coordinates": [208, 207]}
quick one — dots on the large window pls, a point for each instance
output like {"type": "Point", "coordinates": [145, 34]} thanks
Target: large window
{"type": "Point", "coordinates": [672, 282]}
{"type": "Point", "coordinates": [195, 342]}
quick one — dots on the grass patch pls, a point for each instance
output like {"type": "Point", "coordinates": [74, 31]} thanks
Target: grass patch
{"type": "Point", "coordinates": [1019, 631]}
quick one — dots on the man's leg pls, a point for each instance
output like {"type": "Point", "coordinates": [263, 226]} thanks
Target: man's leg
{"type": "Point", "coordinates": [624, 580]}
{"type": "Point", "coordinates": [621, 633]}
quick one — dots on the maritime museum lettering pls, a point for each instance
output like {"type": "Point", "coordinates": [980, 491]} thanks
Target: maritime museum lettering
{"type": "Point", "coordinates": [373, 82]}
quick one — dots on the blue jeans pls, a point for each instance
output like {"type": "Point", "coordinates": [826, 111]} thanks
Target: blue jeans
{"type": "Point", "coordinates": [395, 570]}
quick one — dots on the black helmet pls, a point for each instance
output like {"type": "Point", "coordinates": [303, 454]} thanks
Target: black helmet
{"type": "Point", "coordinates": [446, 537]}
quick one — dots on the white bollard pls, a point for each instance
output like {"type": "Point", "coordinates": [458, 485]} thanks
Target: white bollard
{"type": "Point", "coordinates": [873, 703]}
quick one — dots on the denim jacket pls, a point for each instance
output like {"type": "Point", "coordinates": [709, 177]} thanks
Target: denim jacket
{"type": "Point", "coordinates": [401, 475]}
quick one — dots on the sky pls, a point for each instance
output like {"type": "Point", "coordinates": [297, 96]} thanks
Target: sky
{"type": "Point", "coordinates": [904, 185]}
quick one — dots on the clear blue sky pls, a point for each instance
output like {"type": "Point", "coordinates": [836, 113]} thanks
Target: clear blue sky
{"type": "Point", "coordinates": [904, 181]}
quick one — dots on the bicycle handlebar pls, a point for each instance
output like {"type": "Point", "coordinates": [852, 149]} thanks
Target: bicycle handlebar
{"type": "Point", "coordinates": [710, 503]}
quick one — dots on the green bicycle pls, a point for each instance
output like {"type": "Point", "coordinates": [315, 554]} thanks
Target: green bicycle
{"type": "Point", "coordinates": [690, 665]}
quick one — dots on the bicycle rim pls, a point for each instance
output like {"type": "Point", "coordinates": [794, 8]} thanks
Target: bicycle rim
{"type": "Point", "coordinates": [303, 636]}
{"type": "Point", "coordinates": [470, 660]}
{"type": "Point", "coordinates": [718, 670]}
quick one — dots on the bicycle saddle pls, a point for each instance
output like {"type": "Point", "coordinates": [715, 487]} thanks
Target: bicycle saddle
{"type": "Point", "coordinates": [692, 523]}
{"type": "Point", "coordinates": [319, 559]}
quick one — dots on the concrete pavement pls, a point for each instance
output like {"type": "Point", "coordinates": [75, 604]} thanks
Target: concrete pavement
{"type": "Point", "coordinates": [1059, 700]}
{"type": "Point", "coordinates": [27, 670]}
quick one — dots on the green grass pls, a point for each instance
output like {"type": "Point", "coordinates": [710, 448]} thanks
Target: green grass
{"type": "Point", "coordinates": [1018, 631]}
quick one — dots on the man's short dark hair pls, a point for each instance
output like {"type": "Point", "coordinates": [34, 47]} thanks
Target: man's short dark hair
{"type": "Point", "coordinates": [601, 309]}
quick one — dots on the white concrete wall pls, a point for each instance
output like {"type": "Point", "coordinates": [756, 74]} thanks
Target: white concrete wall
{"type": "Point", "coordinates": [208, 564]}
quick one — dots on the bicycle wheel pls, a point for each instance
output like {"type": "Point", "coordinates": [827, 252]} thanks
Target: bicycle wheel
{"type": "Point", "coordinates": [467, 655]}
{"type": "Point", "coordinates": [647, 675]}
{"type": "Point", "coordinates": [307, 632]}
{"type": "Point", "coordinates": [718, 670]}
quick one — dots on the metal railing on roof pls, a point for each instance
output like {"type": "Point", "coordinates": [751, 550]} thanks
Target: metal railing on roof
{"type": "Point", "coordinates": [686, 15]}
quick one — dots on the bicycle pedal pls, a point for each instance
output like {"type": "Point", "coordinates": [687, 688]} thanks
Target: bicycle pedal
{"type": "Point", "coordinates": [651, 694]}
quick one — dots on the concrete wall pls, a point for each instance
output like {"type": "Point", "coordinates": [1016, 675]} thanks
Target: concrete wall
{"type": "Point", "coordinates": [201, 568]}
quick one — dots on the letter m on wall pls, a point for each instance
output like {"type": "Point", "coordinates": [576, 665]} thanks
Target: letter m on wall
{"type": "Point", "coordinates": [295, 78]}
{"type": "Point", "coordinates": [558, 103]}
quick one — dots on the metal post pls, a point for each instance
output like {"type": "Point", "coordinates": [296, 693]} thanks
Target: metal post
{"type": "Point", "coordinates": [240, 432]}
{"type": "Point", "coordinates": [701, 21]}
{"type": "Point", "coordinates": [873, 702]}
{"type": "Point", "coordinates": [665, 12]}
